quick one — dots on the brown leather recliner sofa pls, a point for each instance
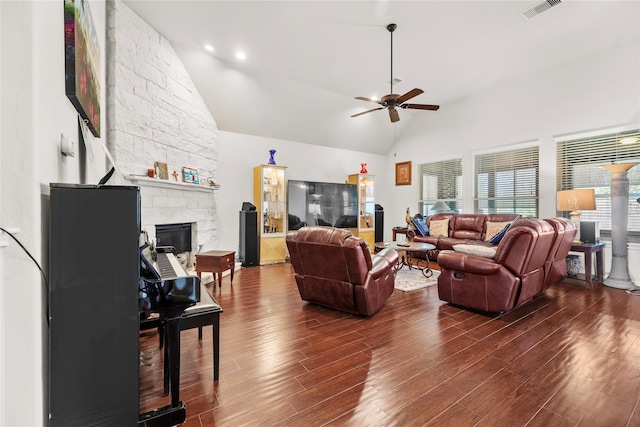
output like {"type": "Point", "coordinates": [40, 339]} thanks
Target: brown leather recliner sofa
{"type": "Point", "coordinates": [527, 260]}
{"type": "Point", "coordinates": [462, 229]}
{"type": "Point", "coordinates": [555, 268]}
{"type": "Point", "coordinates": [335, 269]}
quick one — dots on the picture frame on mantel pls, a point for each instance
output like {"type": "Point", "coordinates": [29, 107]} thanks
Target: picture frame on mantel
{"type": "Point", "coordinates": [162, 170]}
{"type": "Point", "coordinates": [190, 175]}
{"type": "Point", "coordinates": [82, 63]}
{"type": "Point", "coordinates": [403, 173]}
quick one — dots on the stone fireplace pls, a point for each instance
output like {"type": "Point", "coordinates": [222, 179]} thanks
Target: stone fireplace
{"type": "Point", "coordinates": [155, 114]}
{"type": "Point", "coordinates": [170, 203]}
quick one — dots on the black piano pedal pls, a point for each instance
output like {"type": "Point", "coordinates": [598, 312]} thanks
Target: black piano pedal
{"type": "Point", "coordinates": [166, 416]}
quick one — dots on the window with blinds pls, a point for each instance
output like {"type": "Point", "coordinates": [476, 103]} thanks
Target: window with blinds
{"type": "Point", "coordinates": [441, 181]}
{"type": "Point", "coordinates": [507, 182]}
{"type": "Point", "coordinates": [578, 166]}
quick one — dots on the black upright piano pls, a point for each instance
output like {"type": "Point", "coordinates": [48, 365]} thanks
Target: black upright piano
{"type": "Point", "coordinates": [94, 314]}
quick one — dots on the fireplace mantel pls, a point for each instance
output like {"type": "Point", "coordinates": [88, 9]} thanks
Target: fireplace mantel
{"type": "Point", "coordinates": [165, 183]}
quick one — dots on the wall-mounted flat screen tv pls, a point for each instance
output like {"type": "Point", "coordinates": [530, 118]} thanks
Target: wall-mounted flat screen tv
{"type": "Point", "coordinates": [321, 203]}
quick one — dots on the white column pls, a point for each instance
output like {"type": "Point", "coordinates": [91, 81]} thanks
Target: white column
{"type": "Point", "coordinates": [619, 275]}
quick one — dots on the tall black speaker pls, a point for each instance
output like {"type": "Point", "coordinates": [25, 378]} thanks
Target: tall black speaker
{"type": "Point", "coordinates": [249, 252]}
{"type": "Point", "coordinates": [379, 223]}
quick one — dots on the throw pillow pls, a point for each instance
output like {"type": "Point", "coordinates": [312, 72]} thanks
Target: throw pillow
{"type": "Point", "coordinates": [494, 228]}
{"type": "Point", "coordinates": [498, 237]}
{"type": "Point", "coordinates": [439, 228]}
{"type": "Point", "coordinates": [421, 226]}
{"type": "Point", "coordinates": [483, 251]}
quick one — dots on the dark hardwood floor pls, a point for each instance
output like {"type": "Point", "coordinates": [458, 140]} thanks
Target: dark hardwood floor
{"type": "Point", "coordinates": [568, 358]}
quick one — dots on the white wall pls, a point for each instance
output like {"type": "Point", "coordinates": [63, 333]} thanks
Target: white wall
{"type": "Point", "coordinates": [239, 154]}
{"type": "Point", "coordinates": [599, 91]}
{"type": "Point", "coordinates": [34, 111]}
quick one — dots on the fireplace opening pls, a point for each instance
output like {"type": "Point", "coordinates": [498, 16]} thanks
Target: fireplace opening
{"type": "Point", "coordinates": [177, 235]}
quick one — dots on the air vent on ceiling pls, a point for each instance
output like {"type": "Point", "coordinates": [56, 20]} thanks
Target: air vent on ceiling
{"type": "Point", "coordinates": [538, 8]}
{"type": "Point", "coordinates": [395, 81]}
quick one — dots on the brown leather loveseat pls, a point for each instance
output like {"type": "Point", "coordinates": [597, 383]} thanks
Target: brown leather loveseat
{"type": "Point", "coordinates": [461, 229]}
{"type": "Point", "coordinates": [333, 268]}
{"type": "Point", "coordinates": [528, 259]}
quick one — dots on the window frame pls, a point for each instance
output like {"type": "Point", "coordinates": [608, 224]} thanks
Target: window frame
{"type": "Point", "coordinates": [594, 149]}
{"type": "Point", "coordinates": [441, 169]}
{"type": "Point", "coordinates": [497, 165]}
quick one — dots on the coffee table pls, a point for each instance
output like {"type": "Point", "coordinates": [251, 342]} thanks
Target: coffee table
{"type": "Point", "coordinates": [405, 259]}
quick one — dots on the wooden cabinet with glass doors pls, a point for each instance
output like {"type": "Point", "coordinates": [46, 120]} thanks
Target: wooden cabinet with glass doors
{"type": "Point", "coordinates": [270, 198]}
{"type": "Point", "coordinates": [366, 206]}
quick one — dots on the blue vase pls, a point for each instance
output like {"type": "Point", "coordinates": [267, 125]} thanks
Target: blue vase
{"type": "Point", "coordinates": [272, 161]}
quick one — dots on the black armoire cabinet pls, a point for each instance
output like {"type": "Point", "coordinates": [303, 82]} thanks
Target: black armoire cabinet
{"type": "Point", "coordinates": [93, 333]}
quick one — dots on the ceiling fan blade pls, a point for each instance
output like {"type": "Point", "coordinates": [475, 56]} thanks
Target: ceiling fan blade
{"type": "Point", "coordinates": [368, 111]}
{"type": "Point", "coordinates": [393, 115]}
{"type": "Point", "coordinates": [420, 106]}
{"type": "Point", "coordinates": [362, 98]}
{"type": "Point", "coordinates": [407, 96]}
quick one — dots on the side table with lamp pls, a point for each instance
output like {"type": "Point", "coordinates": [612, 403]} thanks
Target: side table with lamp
{"type": "Point", "coordinates": [577, 200]}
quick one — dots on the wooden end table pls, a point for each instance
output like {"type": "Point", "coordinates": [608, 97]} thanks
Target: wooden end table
{"type": "Point", "coordinates": [216, 262]}
{"type": "Point", "coordinates": [398, 230]}
{"type": "Point", "coordinates": [588, 249]}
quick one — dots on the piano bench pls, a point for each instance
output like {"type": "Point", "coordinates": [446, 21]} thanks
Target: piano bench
{"type": "Point", "coordinates": [203, 313]}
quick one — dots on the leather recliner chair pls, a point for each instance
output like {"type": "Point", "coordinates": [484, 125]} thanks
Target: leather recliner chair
{"type": "Point", "coordinates": [556, 265]}
{"type": "Point", "coordinates": [514, 276]}
{"type": "Point", "coordinates": [335, 269]}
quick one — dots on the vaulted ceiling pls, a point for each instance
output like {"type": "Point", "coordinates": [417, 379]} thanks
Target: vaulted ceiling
{"type": "Point", "coordinates": [308, 60]}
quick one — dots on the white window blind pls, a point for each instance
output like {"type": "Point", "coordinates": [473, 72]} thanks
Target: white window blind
{"type": "Point", "coordinates": [441, 181]}
{"type": "Point", "coordinates": [578, 166]}
{"type": "Point", "coordinates": [507, 182]}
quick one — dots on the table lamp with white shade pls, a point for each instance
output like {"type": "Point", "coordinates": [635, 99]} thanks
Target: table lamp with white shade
{"type": "Point", "coordinates": [576, 200]}
{"type": "Point", "coordinates": [440, 207]}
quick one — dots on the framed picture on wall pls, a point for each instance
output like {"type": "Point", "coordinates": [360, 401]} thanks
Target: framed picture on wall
{"type": "Point", "coordinates": [190, 175]}
{"type": "Point", "coordinates": [82, 63]}
{"type": "Point", "coordinates": [403, 173]}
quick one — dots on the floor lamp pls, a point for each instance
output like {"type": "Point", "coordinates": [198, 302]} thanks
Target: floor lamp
{"type": "Point", "coordinates": [579, 199]}
{"type": "Point", "coordinates": [619, 275]}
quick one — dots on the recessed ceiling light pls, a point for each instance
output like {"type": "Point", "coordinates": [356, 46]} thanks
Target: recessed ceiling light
{"type": "Point", "coordinates": [241, 55]}
{"type": "Point", "coordinates": [629, 140]}
{"type": "Point", "coordinates": [208, 47]}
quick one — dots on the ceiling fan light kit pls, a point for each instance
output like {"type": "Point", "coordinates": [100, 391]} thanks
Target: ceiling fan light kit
{"type": "Point", "coordinates": [393, 101]}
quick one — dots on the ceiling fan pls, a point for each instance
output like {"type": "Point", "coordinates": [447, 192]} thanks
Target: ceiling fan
{"type": "Point", "coordinates": [393, 101]}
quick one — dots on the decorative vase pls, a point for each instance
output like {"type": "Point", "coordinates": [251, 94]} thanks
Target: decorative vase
{"type": "Point", "coordinates": [573, 265]}
{"type": "Point", "coordinates": [363, 168]}
{"type": "Point", "coordinates": [272, 161]}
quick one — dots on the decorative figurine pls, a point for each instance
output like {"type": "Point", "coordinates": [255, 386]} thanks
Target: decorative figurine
{"type": "Point", "coordinates": [272, 161]}
{"type": "Point", "coordinates": [363, 168]}
{"type": "Point", "coordinates": [408, 219]}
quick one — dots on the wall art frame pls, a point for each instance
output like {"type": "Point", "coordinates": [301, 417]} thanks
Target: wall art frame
{"type": "Point", "coordinates": [190, 175]}
{"type": "Point", "coordinates": [82, 63]}
{"type": "Point", "coordinates": [403, 173]}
